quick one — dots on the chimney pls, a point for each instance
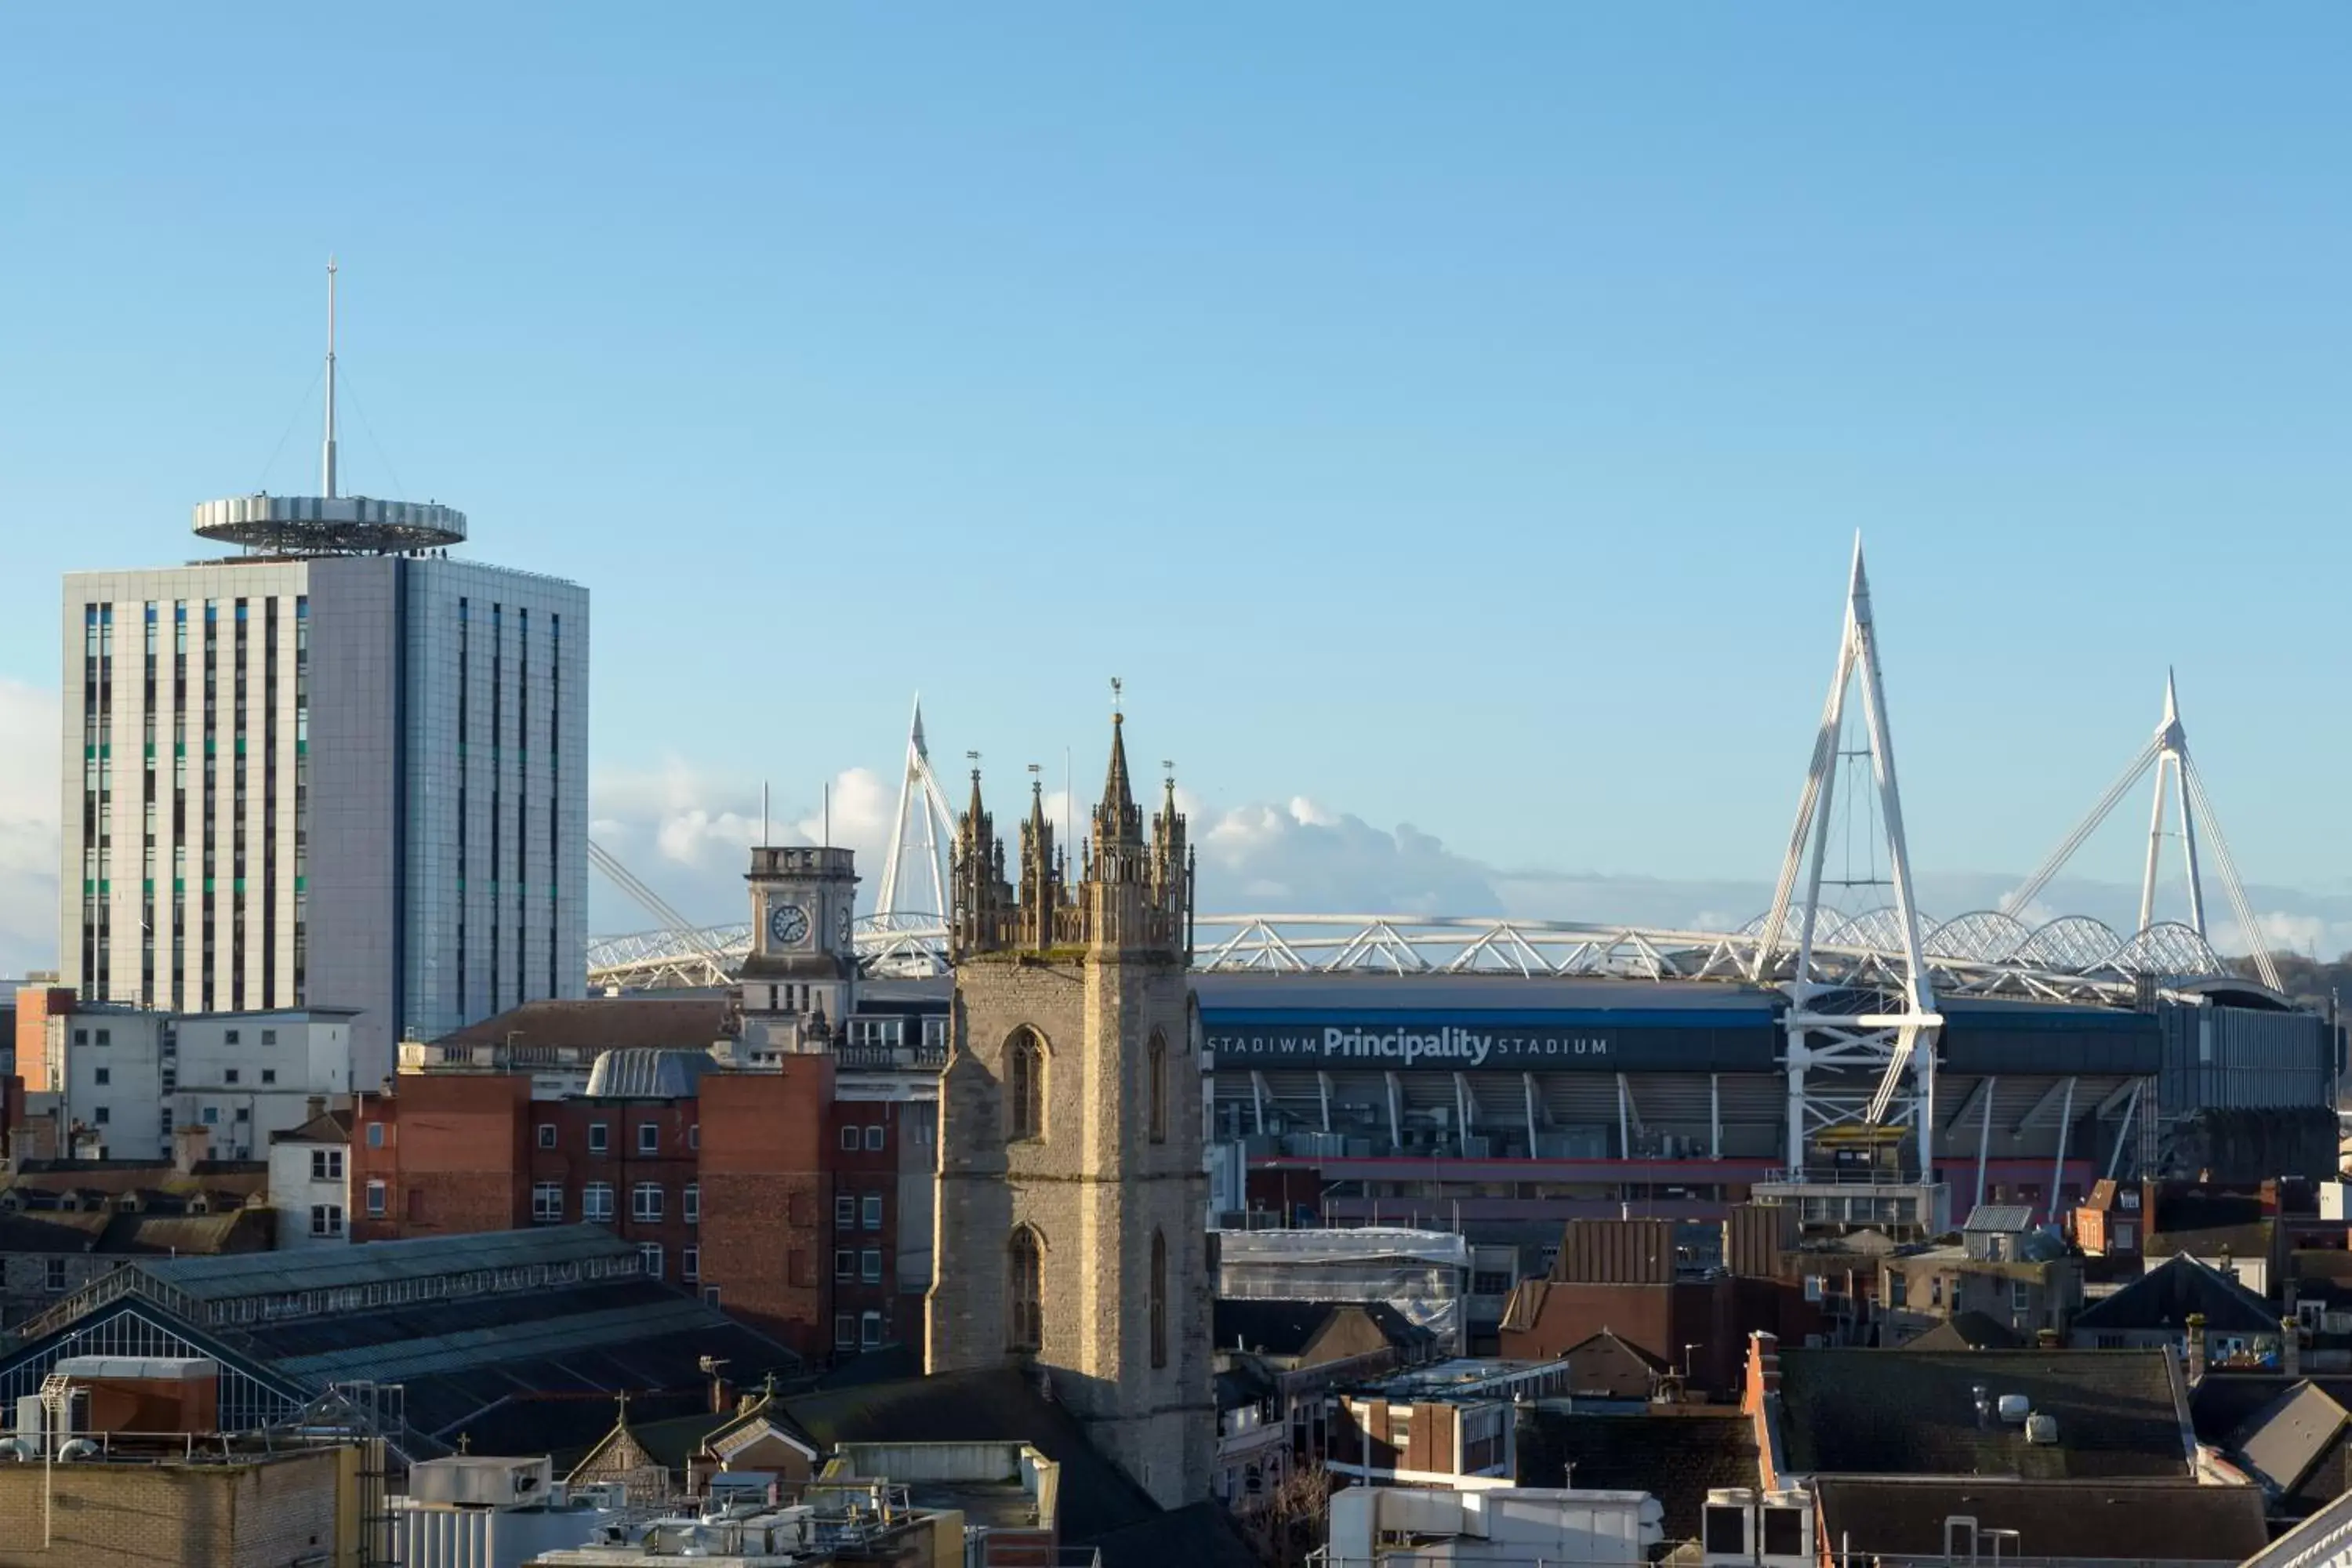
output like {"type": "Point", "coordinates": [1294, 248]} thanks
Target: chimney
{"type": "Point", "coordinates": [2290, 1347]}
{"type": "Point", "coordinates": [191, 1143]}
{"type": "Point", "coordinates": [315, 1107]}
{"type": "Point", "coordinates": [2195, 1369]}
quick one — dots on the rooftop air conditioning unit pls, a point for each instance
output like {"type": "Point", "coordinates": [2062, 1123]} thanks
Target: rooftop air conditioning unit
{"type": "Point", "coordinates": [2042, 1430]}
{"type": "Point", "coordinates": [2015, 1408]}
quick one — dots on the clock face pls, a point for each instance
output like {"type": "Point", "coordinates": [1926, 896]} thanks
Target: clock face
{"type": "Point", "coordinates": [788, 925]}
{"type": "Point", "coordinates": [841, 924]}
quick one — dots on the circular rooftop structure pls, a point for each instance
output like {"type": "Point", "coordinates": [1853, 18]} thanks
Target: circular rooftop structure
{"type": "Point", "coordinates": [330, 525]}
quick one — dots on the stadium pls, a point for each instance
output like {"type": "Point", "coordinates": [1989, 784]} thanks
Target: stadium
{"type": "Point", "coordinates": [1877, 1068]}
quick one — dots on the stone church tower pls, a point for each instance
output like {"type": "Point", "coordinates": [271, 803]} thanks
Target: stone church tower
{"type": "Point", "coordinates": [1071, 1223]}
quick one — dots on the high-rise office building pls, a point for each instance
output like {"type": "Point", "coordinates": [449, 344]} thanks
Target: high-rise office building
{"type": "Point", "coordinates": [337, 768]}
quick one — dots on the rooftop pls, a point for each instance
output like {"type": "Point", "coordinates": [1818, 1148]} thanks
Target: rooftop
{"type": "Point", "coordinates": [604, 1023]}
{"type": "Point", "coordinates": [2153, 1522]}
{"type": "Point", "coordinates": [558, 1247]}
{"type": "Point", "coordinates": [2168, 1295]}
{"type": "Point", "coordinates": [1676, 1458]}
{"type": "Point", "coordinates": [1925, 1413]}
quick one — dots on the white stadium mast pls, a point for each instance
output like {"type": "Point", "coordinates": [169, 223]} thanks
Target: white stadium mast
{"type": "Point", "coordinates": [911, 907]}
{"type": "Point", "coordinates": [2168, 752]}
{"type": "Point", "coordinates": [1860, 1033]}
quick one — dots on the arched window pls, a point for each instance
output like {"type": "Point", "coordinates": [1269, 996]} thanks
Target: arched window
{"type": "Point", "coordinates": [1025, 1085]}
{"type": "Point", "coordinates": [1024, 1291]}
{"type": "Point", "coordinates": [1159, 1299]}
{"type": "Point", "coordinates": [1155, 1087]}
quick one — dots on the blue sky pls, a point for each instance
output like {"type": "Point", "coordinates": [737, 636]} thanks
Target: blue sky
{"type": "Point", "coordinates": [1456, 418]}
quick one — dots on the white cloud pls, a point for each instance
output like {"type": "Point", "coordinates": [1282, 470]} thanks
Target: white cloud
{"type": "Point", "coordinates": [28, 827]}
{"type": "Point", "coordinates": [687, 833]}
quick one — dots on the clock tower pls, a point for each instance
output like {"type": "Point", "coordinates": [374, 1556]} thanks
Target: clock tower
{"type": "Point", "coordinates": [804, 901]}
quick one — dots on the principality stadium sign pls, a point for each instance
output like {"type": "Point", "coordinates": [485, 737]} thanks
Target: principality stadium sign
{"type": "Point", "coordinates": [1443, 1046]}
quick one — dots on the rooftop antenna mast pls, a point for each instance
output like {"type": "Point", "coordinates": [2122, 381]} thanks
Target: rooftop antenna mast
{"type": "Point", "coordinates": [327, 457]}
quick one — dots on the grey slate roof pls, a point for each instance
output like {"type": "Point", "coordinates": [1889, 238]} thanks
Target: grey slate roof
{"type": "Point", "coordinates": [2166, 1295]}
{"type": "Point", "coordinates": [2152, 1522]}
{"type": "Point", "coordinates": [1866, 1412]}
{"type": "Point", "coordinates": [2287, 1437]}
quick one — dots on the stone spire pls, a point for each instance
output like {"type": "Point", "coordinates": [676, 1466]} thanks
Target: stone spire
{"type": "Point", "coordinates": [1117, 821]}
{"type": "Point", "coordinates": [976, 924]}
{"type": "Point", "coordinates": [1041, 873]}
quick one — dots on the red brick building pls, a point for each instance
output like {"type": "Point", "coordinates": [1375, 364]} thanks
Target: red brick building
{"type": "Point", "coordinates": [863, 1147]}
{"type": "Point", "coordinates": [725, 1181]}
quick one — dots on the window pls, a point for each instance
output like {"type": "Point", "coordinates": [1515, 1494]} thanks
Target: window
{"type": "Point", "coordinates": [375, 1199]}
{"type": "Point", "coordinates": [2021, 1296]}
{"type": "Point", "coordinates": [1159, 1298]}
{"type": "Point", "coordinates": [1025, 1291]}
{"type": "Point", "coordinates": [689, 1264]}
{"type": "Point", "coordinates": [849, 1139]}
{"type": "Point", "coordinates": [105, 1076]}
{"type": "Point", "coordinates": [102, 1116]}
{"type": "Point", "coordinates": [690, 1208]}
{"type": "Point", "coordinates": [596, 1201]}
{"type": "Point", "coordinates": [845, 1266]}
{"type": "Point", "coordinates": [873, 1140]}
{"type": "Point", "coordinates": [547, 1134]}
{"type": "Point", "coordinates": [106, 1037]}
{"type": "Point", "coordinates": [2123, 1235]}
{"type": "Point", "coordinates": [844, 1212]}
{"type": "Point", "coordinates": [81, 1036]}
{"type": "Point", "coordinates": [711, 1295]}
{"type": "Point", "coordinates": [598, 1133]}
{"type": "Point", "coordinates": [1155, 1088]}
{"type": "Point", "coordinates": [1025, 1085]}
{"type": "Point", "coordinates": [212, 1116]}
{"type": "Point", "coordinates": [326, 1164]}
{"type": "Point", "coordinates": [650, 1256]}
{"type": "Point", "coordinates": [648, 1137]}
{"type": "Point", "coordinates": [694, 1136]}
{"type": "Point", "coordinates": [245, 1113]}
{"type": "Point", "coordinates": [869, 1266]}
{"type": "Point", "coordinates": [1896, 1286]}
{"type": "Point", "coordinates": [874, 1211]}
{"type": "Point", "coordinates": [547, 1203]}
{"type": "Point", "coordinates": [228, 1037]}
{"type": "Point", "coordinates": [326, 1219]}
{"type": "Point", "coordinates": [645, 1201]}
{"type": "Point", "coordinates": [869, 1330]}
{"type": "Point", "coordinates": [269, 1074]}
{"type": "Point", "coordinates": [2129, 1198]}
{"type": "Point", "coordinates": [375, 1134]}
{"type": "Point", "coordinates": [231, 1075]}
{"type": "Point", "coordinates": [269, 1036]}
{"type": "Point", "coordinates": [53, 1274]}
{"type": "Point", "coordinates": [845, 1332]}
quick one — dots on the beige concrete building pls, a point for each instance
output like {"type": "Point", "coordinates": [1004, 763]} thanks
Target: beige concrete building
{"type": "Point", "coordinates": [1069, 1230]}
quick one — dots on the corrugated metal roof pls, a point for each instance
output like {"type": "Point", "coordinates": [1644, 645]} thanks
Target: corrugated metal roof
{"type": "Point", "coordinates": [380, 1262]}
{"type": "Point", "coordinates": [507, 1342]}
{"type": "Point", "coordinates": [2001, 1217]}
{"type": "Point", "coordinates": [637, 1072]}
